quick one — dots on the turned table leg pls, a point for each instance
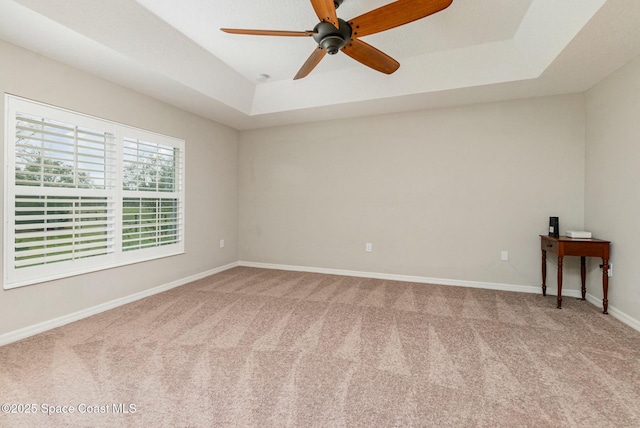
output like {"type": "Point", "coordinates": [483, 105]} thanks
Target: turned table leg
{"type": "Point", "coordinates": [544, 273]}
{"type": "Point", "coordinates": [605, 285]}
{"type": "Point", "coordinates": [583, 276]}
{"type": "Point", "coordinates": [559, 282]}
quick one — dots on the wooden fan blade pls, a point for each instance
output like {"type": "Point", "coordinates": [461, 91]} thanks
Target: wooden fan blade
{"type": "Point", "coordinates": [370, 56]}
{"type": "Point", "coordinates": [326, 11]}
{"type": "Point", "coordinates": [311, 63]}
{"type": "Point", "coordinates": [268, 32]}
{"type": "Point", "coordinates": [395, 14]}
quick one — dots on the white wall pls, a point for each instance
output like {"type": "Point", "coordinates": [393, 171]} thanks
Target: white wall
{"type": "Point", "coordinates": [211, 187]}
{"type": "Point", "coordinates": [439, 193]}
{"type": "Point", "coordinates": [613, 182]}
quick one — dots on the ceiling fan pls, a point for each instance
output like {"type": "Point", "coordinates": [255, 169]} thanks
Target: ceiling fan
{"type": "Point", "coordinates": [333, 34]}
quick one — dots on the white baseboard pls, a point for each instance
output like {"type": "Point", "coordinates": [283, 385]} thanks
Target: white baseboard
{"type": "Point", "coordinates": [551, 291]}
{"type": "Point", "coordinates": [614, 312]}
{"type": "Point", "coordinates": [418, 279]}
{"type": "Point", "coordinates": [14, 336]}
{"type": "Point", "coordinates": [25, 332]}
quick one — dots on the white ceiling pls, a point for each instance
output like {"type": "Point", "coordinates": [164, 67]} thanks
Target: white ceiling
{"type": "Point", "coordinates": [473, 51]}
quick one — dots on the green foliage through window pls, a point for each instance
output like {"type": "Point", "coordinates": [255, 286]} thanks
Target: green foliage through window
{"type": "Point", "coordinates": [86, 194]}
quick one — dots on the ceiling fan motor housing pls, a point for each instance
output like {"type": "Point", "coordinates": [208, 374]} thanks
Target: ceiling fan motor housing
{"type": "Point", "coordinates": [330, 38]}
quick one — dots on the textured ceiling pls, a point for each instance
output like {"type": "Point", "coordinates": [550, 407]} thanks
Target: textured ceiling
{"type": "Point", "coordinates": [473, 51]}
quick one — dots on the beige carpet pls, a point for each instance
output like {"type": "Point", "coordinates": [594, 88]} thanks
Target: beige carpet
{"type": "Point", "coordinates": [255, 347]}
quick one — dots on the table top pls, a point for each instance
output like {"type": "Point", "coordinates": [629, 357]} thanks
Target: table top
{"type": "Point", "coordinates": [567, 239]}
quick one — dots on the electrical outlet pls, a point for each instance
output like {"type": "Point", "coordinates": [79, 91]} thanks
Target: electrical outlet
{"type": "Point", "coordinates": [504, 256]}
{"type": "Point", "coordinates": [222, 243]}
{"type": "Point", "coordinates": [368, 247]}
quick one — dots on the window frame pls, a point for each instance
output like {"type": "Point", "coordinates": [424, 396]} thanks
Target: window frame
{"type": "Point", "coordinates": [14, 277]}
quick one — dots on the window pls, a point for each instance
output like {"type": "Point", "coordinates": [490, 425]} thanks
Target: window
{"type": "Point", "coordinates": [83, 194]}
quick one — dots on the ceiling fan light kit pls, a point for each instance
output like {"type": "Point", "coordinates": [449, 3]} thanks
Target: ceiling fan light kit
{"type": "Point", "coordinates": [333, 34]}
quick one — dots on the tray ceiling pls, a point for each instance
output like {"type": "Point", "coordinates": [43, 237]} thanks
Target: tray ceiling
{"type": "Point", "coordinates": [473, 51]}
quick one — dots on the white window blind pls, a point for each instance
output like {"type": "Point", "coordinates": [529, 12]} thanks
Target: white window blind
{"type": "Point", "coordinates": [150, 167]}
{"type": "Point", "coordinates": [83, 194]}
{"type": "Point", "coordinates": [51, 229]}
{"type": "Point", "coordinates": [150, 222]}
{"type": "Point", "coordinates": [51, 153]}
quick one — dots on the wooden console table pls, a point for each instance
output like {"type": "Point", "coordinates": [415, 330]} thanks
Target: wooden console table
{"type": "Point", "coordinates": [564, 246]}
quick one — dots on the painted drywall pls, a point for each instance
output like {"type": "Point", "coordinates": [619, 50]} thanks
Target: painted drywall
{"type": "Point", "coordinates": [439, 193]}
{"type": "Point", "coordinates": [211, 188]}
{"type": "Point", "coordinates": [612, 199]}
